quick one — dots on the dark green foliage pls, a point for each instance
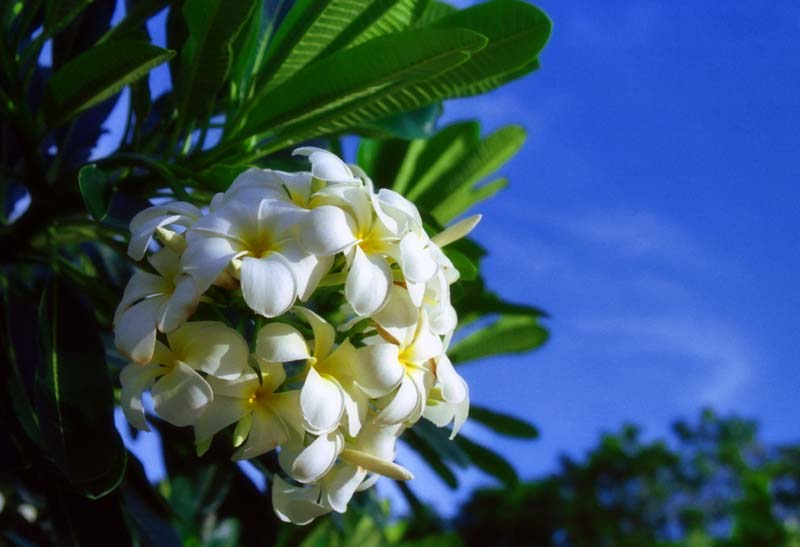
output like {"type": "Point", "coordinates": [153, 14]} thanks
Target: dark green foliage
{"type": "Point", "coordinates": [251, 79]}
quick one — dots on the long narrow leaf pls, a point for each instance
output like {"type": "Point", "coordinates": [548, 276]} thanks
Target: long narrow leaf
{"type": "Point", "coordinates": [97, 74]}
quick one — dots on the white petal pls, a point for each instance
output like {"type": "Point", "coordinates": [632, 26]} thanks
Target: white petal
{"type": "Point", "coordinates": [399, 316]}
{"type": "Point", "coordinates": [181, 395]}
{"type": "Point", "coordinates": [459, 230]}
{"type": "Point", "coordinates": [281, 343]}
{"type": "Point", "coordinates": [238, 388]}
{"type": "Point", "coordinates": [401, 209]}
{"type": "Point", "coordinates": [286, 405]}
{"type": "Point", "coordinates": [297, 505]}
{"type": "Point", "coordinates": [135, 329]}
{"type": "Point", "coordinates": [308, 269]}
{"type": "Point", "coordinates": [368, 282]}
{"type": "Point", "coordinates": [205, 258]}
{"type": "Point", "coordinates": [268, 285]}
{"type": "Point", "coordinates": [377, 369]}
{"type": "Point", "coordinates": [460, 415]}
{"type": "Point", "coordinates": [426, 344]}
{"type": "Point", "coordinates": [402, 405]}
{"type": "Point", "coordinates": [210, 346]}
{"type": "Point", "coordinates": [135, 379]}
{"type": "Point", "coordinates": [453, 386]}
{"type": "Point", "coordinates": [326, 165]}
{"type": "Point", "coordinates": [356, 406]}
{"type": "Point", "coordinates": [140, 286]}
{"type": "Point", "coordinates": [340, 484]}
{"type": "Point", "coordinates": [222, 412]}
{"type": "Point", "coordinates": [266, 434]}
{"type": "Point", "coordinates": [317, 458]}
{"type": "Point", "coordinates": [179, 305]}
{"type": "Point", "coordinates": [322, 403]}
{"type": "Point", "coordinates": [324, 333]}
{"type": "Point", "coordinates": [327, 230]}
{"type": "Point", "coordinates": [166, 262]}
{"type": "Point", "coordinates": [416, 291]}
{"type": "Point", "coordinates": [418, 264]}
{"type": "Point", "coordinates": [379, 441]}
{"type": "Point", "coordinates": [423, 382]}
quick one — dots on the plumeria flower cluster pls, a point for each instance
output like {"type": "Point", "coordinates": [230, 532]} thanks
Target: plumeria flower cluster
{"type": "Point", "coordinates": [331, 395]}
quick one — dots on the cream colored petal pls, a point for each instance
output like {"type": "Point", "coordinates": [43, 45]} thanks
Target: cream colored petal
{"type": "Point", "coordinates": [135, 329]}
{"type": "Point", "coordinates": [356, 406]}
{"type": "Point", "coordinates": [308, 269]}
{"type": "Point", "coordinates": [327, 230]}
{"type": "Point", "coordinates": [297, 505]}
{"type": "Point", "coordinates": [399, 316]}
{"type": "Point", "coordinates": [181, 395]}
{"type": "Point", "coordinates": [402, 405]}
{"type": "Point", "coordinates": [340, 484]}
{"type": "Point", "coordinates": [281, 343]}
{"type": "Point", "coordinates": [135, 380]}
{"type": "Point", "coordinates": [210, 346]}
{"type": "Point", "coordinates": [377, 370]}
{"type": "Point", "coordinates": [321, 402]}
{"type": "Point", "coordinates": [418, 264]}
{"type": "Point", "coordinates": [368, 282]}
{"type": "Point", "coordinates": [286, 405]}
{"type": "Point", "coordinates": [179, 305]}
{"type": "Point", "coordinates": [140, 286]}
{"type": "Point", "coordinates": [268, 285]}
{"type": "Point", "coordinates": [324, 333]}
{"type": "Point", "coordinates": [267, 432]}
{"type": "Point", "coordinates": [326, 165]}
{"type": "Point", "coordinates": [454, 388]}
{"type": "Point", "coordinates": [222, 412]}
{"type": "Point", "coordinates": [317, 458]}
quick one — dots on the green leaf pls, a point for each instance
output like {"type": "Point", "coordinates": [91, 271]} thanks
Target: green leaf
{"type": "Point", "coordinates": [416, 124]}
{"type": "Point", "coordinates": [97, 74]}
{"type": "Point", "coordinates": [508, 334]}
{"type": "Point", "coordinates": [464, 265]}
{"type": "Point", "coordinates": [488, 461]}
{"type": "Point", "coordinates": [434, 11]}
{"type": "Point", "coordinates": [95, 191]}
{"type": "Point", "coordinates": [207, 54]}
{"type": "Point", "coordinates": [74, 399]}
{"type": "Point", "coordinates": [350, 87]}
{"type": "Point", "coordinates": [504, 424]}
{"type": "Point", "coordinates": [517, 32]}
{"type": "Point", "coordinates": [135, 19]}
{"type": "Point", "coordinates": [308, 29]}
{"type": "Point", "coordinates": [60, 13]}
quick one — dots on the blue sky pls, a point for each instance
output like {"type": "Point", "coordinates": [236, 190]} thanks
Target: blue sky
{"type": "Point", "coordinates": [654, 213]}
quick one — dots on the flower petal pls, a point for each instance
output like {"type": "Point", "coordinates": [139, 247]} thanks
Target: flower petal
{"type": "Point", "coordinates": [340, 484]}
{"type": "Point", "coordinates": [418, 264]}
{"type": "Point", "coordinates": [399, 316]}
{"type": "Point", "coordinates": [135, 379]}
{"type": "Point", "coordinates": [294, 504]}
{"type": "Point", "coordinates": [266, 433]}
{"type": "Point", "coordinates": [222, 412]}
{"type": "Point", "coordinates": [321, 402]}
{"type": "Point", "coordinates": [308, 269]}
{"type": "Point", "coordinates": [368, 282]}
{"type": "Point", "coordinates": [210, 346]}
{"type": "Point", "coordinates": [286, 405]}
{"type": "Point", "coordinates": [403, 404]}
{"type": "Point", "coordinates": [317, 458]}
{"type": "Point", "coordinates": [453, 386]}
{"type": "Point", "coordinates": [268, 285]}
{"type": "Point", "coordinates": [377, 370]}
{"type": "Point", "coordinates": [181, 395]}
{"type": "Point", "coordinates": [327, 230]}
{"type": "Point", "coordinates": [140, 286]}
{"type": "Point", "coordinates": [180, 304]}
{"type": "Point", "coordinates": [326, 165]}
{"type": "Point", "coordinates": [324, 333]}
{"type": "Point", "coordinates": [205, 258]}
{"type": "Point", "coordinates": [135, 329]}
{"type": "Point", "coordinates": [281, 343]}
{"type": "Point", "coordinates": [356, 406]}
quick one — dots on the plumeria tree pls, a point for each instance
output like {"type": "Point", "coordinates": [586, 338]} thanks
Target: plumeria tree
{"type": "Point", "coordinates": [227, 280]}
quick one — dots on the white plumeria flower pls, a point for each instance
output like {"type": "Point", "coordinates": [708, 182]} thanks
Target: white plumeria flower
{"type": "Point", "coordinates": [329, 394]}
{"type": "Point", "coordinates": [351, 226]}
{"type": "Point", "coordinates": [303, 189]}
{"type": "Point", "coordinates": [373, 451]}
{"type": "Point", "coordinates": [180, 394]}
{"type": "Point", "coordinates": [449, 398]}
{"type": "Point", "coordinates": [266, 417]}
{"type": "Point", "coordinates": [148, 221]}
{"type": "Point", "coordinates": [258, 240]}
{"type": "Point", "coordinates": [401, 357]}
{"type": "Point", "coordinates": [152, 303]}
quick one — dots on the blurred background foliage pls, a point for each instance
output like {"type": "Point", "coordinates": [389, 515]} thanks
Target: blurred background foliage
{"type": "Point", "coordinates": [250, 80]}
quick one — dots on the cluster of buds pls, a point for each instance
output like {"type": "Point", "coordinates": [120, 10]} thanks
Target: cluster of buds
{"type": "Point", "coordinates": [332, 394]}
